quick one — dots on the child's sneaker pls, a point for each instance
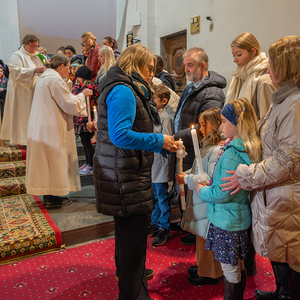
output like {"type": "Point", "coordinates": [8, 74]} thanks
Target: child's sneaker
{"type": "Point", "coordinates": [152, 230]}
{"type": "Point", "coordinates": [87, 170]}
{"type": "Point", "coordinates": [162, 236]}
{"type": "Point", "coordinates": [82, 167]}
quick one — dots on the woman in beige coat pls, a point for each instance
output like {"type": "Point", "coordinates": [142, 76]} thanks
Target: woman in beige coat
{"type": "Point", "coordinates": [25, 68]}
{"type": "Point", "coordinates": [52, 164]}
{"type": "Point", "coordinates": [276, 180]}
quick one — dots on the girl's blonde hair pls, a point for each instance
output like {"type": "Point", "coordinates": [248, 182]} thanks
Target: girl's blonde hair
{"type": "Point", "coordinates": [213, 116]}
{"type": "Point", "coordinates": [247, 41]}
{"type": "Point", "coordinates": [247, 127]}
{"type": "Point", "coordinates": [135, 59]}
{"type": "Point", "coordinates": [285, 60]}
{"type": "Point", "coordinates": [109, 58]}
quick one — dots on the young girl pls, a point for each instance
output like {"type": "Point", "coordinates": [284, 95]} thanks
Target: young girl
{"type": "Point", "coordinates": [3, 86]}
{"type": "Point", "coordinates": [230, 215]}
{"type": "Point", "coordinates": [83, 76]}
{"type": "Point", "coordinates": [194, 219]}
{"type": "Point", "coordinates": [107, 59]}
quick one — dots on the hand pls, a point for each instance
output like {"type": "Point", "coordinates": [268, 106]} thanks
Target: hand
{"type": "Point", "coordinates": [39, 69]}
{"type": "Point", "coordinates": [1, 89]}
{"type": "Point", "coordinates": [90, 126]}
{"type": "Point", "coordinates": [199, 186]}
{"type": "Point", "coordinates": [169, 143]}
{"type": "Point", "coordinates": [180, 178]}
{"type": "Point", "coordinates": [232, 183]}
{"type": "Point", "coordinates": [87, 92]}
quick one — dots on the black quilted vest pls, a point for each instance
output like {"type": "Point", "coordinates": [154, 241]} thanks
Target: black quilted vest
{"type": "Point", "coordinates": [122, 177]}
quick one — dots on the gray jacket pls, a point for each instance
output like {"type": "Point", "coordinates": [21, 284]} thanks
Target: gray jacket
{"type": "Point", "coordinates": [161, 165]}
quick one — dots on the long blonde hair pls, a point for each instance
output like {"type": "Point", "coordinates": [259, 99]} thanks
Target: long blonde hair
{"type": "Point", "coordinates": [247, 127]}
{"type": "Point", "coordinates": [135, 59]}
{"type": "Point", "coordinates": [109, 58]}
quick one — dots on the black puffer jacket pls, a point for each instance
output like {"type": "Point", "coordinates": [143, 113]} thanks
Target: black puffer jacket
{"type": "Point", "coordinates": [208, 95]}
{"type": "Point", "coordinates": [167, 79]}
{"type": "Point", "coordinates": [122, 177]}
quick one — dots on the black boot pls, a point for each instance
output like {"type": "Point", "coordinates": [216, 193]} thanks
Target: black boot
{"type": "Point", "coordinates": [234, 291]}
{"type": "Point", "coordinates": [250, 263]}
{"type": "Point", "coordinates": [295, 285]}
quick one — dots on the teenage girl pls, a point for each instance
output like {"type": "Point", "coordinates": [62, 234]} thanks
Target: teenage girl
{"type": "Point", "coordinates": [230, 215]}
{"type": "Point", "coordinates": [194, 219]}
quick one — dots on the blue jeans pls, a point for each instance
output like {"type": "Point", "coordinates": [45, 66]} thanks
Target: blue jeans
{"type": "Point", "coordinates": [161, 214]}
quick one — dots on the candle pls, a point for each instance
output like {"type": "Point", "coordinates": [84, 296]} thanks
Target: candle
{"type": "Point", "coordinates": [69, 83]}
{"type": "Point", "coordinates": [88, 108]}
{"type": "Point", "coordinates": [200, 172]}
{"type": "Point", "coordinates": [180, 155]}
{"type": "Point", "coordinates": [95, 114]}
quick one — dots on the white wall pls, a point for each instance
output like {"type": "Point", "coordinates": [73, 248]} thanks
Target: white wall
{"type": "Point", "coordinates": [268, 20]}
{"type": "Point", "coordinates": [9, 29]}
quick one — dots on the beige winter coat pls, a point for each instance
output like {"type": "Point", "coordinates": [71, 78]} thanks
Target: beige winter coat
{"type": "Point", "coordinates": [276, 180]}
{"type": "Point", "coordinates": [20, 88]}
{"type": "Point", "coordinates": [51, 163]}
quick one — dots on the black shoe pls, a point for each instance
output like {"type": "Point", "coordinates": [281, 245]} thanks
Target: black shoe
{"type": "Point", "coordinates": [198, 280]}
{"type": "Point", "coordinates": [152, 230]}
{"type": "Point", "coordinates": [263, 295]}
{"type": "Point", "coordinates": [188, 240]}
{"type": "Point", "coordinates": [50, 201]}
{"type": "Point", "coordinates": [162, 236]}
{"type": "Point", "coordinates": [175, 226]}
{"type": "Point", "coordinates": [193, 270]}
{"type": "Point", "coordinates": [150, 275]}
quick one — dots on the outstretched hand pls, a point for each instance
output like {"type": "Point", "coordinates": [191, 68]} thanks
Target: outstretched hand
{"type": "Point", "coordinates": [231, 184]}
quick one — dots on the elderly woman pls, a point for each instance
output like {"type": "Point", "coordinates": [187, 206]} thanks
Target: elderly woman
{"type": "Point", "coordinates": [51, 162]}
{"type": "Point", "coordinates": [93, 61]}
{"type": "Point", "coordinates": [276, 180]}
{"type": "Point", "coordinates": [123, 160]}
{"type": "Point", "coordinates": [25, 68]}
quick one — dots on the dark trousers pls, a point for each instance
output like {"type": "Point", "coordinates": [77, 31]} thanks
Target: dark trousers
{"type": "Point", "coordinates": [130, 256]}
{"type": "Point", "coordinates": [88, 148]}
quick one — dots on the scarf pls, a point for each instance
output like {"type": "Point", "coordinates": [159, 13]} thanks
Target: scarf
{"type": "Point", "coordinates": [245, 79]}
{"type": "Point", "coordinates": [144, 92]}
{"type": "Point", "coordinates": [32, 55]}
{"type": "Point", "coordinates": [283, 92]}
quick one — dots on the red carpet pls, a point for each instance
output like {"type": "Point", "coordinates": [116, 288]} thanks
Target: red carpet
{"type": "Point", "coordinates": [88, 272]}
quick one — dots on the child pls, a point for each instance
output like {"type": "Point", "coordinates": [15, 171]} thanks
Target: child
{"type": "Point", "coordinates": [160, 218]}
{"type": "Point", "coordinates": [230, 215]}
{"type": "Point", "coordinates": [194, 219]}
{"type": "Point", "coordinates": [83, 76]}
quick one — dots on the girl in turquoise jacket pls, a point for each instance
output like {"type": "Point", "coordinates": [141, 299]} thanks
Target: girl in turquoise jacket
{"type": "Point", "coordinates": [230, 215]}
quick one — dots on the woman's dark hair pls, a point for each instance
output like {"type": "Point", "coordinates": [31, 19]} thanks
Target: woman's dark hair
{"type": "Point", "coordinates": [71, 48]}
{"type": "Point", "coordinates": [112, 41]}
{"type": "Point", "coordinates": [59, 59]}
{"type": "Point", "coordinates": [61, 48]}
{"type": "Point", "coordinates": [30, 38]}
{"type": "Point", "coordinates": [159, 64]}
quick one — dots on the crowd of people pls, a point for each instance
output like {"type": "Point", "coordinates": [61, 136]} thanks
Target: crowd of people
{"type": "Point", "coordinates": [245, 200]}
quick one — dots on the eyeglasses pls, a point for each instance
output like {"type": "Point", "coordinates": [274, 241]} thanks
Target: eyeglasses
{"type": "Point", "coordinates": [151, 68]}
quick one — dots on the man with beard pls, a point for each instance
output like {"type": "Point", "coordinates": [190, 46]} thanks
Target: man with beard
{"type": "Point", "coordinates": [204, 92]}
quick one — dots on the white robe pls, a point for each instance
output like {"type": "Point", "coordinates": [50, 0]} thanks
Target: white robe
{"type": "Point", "coordinates": [52, 163]}
{"type": "Point", "coordinates": [20, 89]}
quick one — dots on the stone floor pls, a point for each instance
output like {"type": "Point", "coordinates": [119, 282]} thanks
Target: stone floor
{"type": "Point", "coordinates": [82, 212]}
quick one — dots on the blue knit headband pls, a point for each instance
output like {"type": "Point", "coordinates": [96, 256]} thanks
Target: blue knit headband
{"type": "Point", "coordinates": [229, 113]}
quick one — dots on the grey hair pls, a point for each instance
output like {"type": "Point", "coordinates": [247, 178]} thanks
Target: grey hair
{"type": "Point", "coordinates": [59, 59]}
{"type": "Point", "coordinates": [198, 54]}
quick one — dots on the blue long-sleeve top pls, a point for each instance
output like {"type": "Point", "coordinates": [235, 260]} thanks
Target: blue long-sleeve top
{"type": "Point", "coordinates": [121, 110]}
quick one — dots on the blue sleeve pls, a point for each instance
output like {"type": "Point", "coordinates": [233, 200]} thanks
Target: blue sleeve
{"type": "Point", "coordinates": [121, 110]}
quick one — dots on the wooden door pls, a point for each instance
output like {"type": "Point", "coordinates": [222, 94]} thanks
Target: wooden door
{"type": "Point", "coordinates": [176, 45]}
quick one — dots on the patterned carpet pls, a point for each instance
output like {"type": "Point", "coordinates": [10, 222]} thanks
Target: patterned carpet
{"type": "Point", "coordinates": [88, 272]}
{"type": "Point", "coordinates": [25, 227]}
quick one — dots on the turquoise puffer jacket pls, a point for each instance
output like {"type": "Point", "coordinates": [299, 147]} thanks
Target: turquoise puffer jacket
{"type": "Point", "coordinates": [231, 213]}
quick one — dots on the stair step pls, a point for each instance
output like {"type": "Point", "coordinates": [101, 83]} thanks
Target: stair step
{"type": "Point", "coordinates": [10, 153]}
{"type": "Point", "coordinates": [12, 169]}
{"type": "Point", "coordinates": [12, 186]}
{"type": "Point", "coordinates": [87, 180]}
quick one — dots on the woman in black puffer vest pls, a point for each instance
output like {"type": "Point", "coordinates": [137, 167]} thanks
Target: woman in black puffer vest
{"type": "Point", "coordinates": [123, 160]}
